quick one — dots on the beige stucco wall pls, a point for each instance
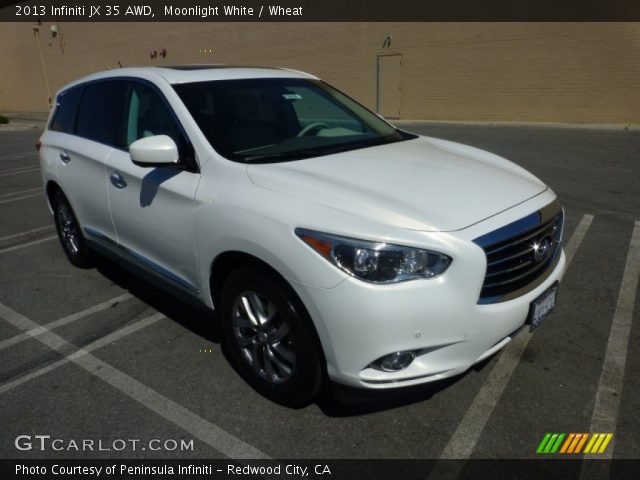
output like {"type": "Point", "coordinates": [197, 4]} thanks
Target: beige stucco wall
{"type": "Point", "coordinates": [530, 72]}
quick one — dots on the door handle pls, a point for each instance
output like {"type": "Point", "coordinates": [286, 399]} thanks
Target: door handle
{"type": "Point", "coordinates": [117, 180]}
{"type": "Point", "coordinates": [64, 157]}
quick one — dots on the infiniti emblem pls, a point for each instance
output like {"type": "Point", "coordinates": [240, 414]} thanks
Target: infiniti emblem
{"type": "Point", "coordinates": [542, 250]}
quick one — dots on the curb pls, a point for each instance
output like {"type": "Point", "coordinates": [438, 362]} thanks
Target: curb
{"type": "Point", "coordinates": [17, 127]}
{"type": "Point", "coordinates": [567, 126]}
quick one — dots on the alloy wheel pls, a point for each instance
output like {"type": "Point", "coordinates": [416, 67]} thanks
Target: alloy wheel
{"type": "Point", "coordinates": [263, 336]}
{"type": "Point", "coordinates": [68, 228]}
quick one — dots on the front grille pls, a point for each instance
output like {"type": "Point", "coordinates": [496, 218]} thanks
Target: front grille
{"type": "Point", "coordinates": [521, 255]}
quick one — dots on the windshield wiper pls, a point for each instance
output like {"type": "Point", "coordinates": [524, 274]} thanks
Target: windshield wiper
{"type": "Point", "coordinates": [300, 154]}
{"type": "Point", "coordinates": [285, 155]}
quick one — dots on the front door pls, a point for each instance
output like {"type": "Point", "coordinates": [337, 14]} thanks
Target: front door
{"type": "Point", "coordinates": [153, 209]}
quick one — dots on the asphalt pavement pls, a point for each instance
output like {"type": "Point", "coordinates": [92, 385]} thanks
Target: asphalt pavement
{"type": "Point", "coordinates": [117, 359]}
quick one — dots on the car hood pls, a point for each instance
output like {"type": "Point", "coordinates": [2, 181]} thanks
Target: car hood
{"type": "Point", "coordinates": [421, 184]}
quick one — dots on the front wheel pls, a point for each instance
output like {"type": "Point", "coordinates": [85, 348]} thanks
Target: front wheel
{"type": "Point", "coordinates": [70, 234]}
{"type": "Point", "coordinates": [269, 337]}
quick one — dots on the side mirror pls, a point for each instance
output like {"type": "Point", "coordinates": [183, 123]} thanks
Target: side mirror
{"type": "Point", "coordinates": [156, 151]}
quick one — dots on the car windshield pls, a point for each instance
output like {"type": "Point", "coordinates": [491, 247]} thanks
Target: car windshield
{"type": "Point", "coordinates": [280, 119]}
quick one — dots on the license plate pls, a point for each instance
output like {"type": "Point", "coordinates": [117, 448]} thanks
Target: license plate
{"type": "Point", "coordinates": [542, 306]}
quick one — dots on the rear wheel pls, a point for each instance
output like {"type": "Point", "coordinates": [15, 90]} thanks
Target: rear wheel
{"type": "Point", "coordinates": [70, 234]}
{"type": "Point", "coordinates": [269, 337]}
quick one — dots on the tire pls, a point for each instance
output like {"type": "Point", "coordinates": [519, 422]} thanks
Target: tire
{"type": "Point", "coordinates": [278, 353]}
{"type": "Point", "coordinates": [70, 234]}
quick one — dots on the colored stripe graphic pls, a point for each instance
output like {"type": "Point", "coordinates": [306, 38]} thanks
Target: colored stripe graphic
{"type": "Point", "coordinates": [606, 441]}
{"type": "Point", "coordinates": [598, 443]}
{"type": "Point", "coordinates": [543, 443]}
{"type": "Point", "coordinates": [556, 446]}
{"type": "Point", "coordinates": [567, 442]}
{"type": "Point", "coordinates": [551, 443]}
{"type": "Point", "coordinates": [592, 441]}
{"type": "Point", "coordinates": [581, 443]}
{"type": "Point", "coordinates": [555, 443]}
{"type": "Point", "coordinates": [577, 437]}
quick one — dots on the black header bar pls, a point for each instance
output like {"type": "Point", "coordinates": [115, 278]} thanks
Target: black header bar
{"type": "Point", "coordinates": [535, 469]}
{"type": "Point", "coordinates": [320, 11]}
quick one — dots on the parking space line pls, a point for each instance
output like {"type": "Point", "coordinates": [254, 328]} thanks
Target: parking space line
{"type": "Point", "coordinates": [464, 439]}
{"type": "Point", "coordinates": [22, 234]}
{"type": "Point", "coordinates": [211, 434]}
{"type": "Point", "coordinates": [101, 342]}
{"type": "Point", "coordinates": [577, 237]}
{"type": "Point", "coordinates": [24, 197]}
{"type": "Point", "coordinates": [28, 244]}
{"type": "Point", "coordinates": [607, 404]}
{"type": "Point", "coordinates": [17, 156]}
{"type": "Point", "coordinates": [20, 192]}
{"type": "Point", "coordinates": [17, 172]}
{"type": "Point", "coordinates": [34, 332]}
{"type": "Point", "coordinates": [18, 169]}
{"type": "Point", "coordinates": [3, 155]}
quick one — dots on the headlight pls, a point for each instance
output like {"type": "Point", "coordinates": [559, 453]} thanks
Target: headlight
{"type": "Point", "coordinates": [376, 262]}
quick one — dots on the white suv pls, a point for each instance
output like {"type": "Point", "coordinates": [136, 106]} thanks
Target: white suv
{"type": "Point", "coordinates": [330, 243]}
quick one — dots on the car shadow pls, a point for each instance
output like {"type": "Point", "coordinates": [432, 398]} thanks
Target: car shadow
{"type": "Point", "coordinates": [151, 183]}
{"type": "Point", "coordinates": [334, 400]}
{"type": "Point", "coordinates": [198, 320]}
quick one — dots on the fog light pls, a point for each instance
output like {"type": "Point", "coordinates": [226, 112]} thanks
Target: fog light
{"type": "Point", "coordinates": [396, 361]}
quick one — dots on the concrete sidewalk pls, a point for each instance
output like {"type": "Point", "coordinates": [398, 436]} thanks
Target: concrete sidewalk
{"type": "Point", "coordinates": [24, 121]}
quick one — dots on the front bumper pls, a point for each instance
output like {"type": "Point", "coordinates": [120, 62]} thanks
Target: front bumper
{"type": "Point", "coordinates": [440, 319]}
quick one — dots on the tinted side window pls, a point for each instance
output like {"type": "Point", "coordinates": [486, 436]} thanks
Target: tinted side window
{"type": "Point", "coordinates": [100, 112]}
{"type": "Point", "coordinates": [148, 114]}
{"type": "Point", "coordinates": [64, 119]}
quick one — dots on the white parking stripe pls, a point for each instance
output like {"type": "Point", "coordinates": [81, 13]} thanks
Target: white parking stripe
{"type": "Point", "coordinates": [28, 232]}
{"type": "Point", "coordinates": [2, 155]}
{"type": "Point", "coordinates": [607, 406]}
{"type": "Point", "coordinates": [17, 172]}
{"type": "Point", "coordinates": [106, 340]}
{"type": "Point", "coordinates": [464, 439]}
{"type": "Point", "coordinates": [197, 426]}
{"type": "Point", "coordinates": [18, 169]}
{"type": "Point", "coordinates": [577, 237]}
{"type": "Point", "coordinates": [21, 337]}
{"type": "Point", "coordinates": [20, 192]}
{"type": "Point", "coordinates": [28, 244]}
{"type": "Point", "coordinates": [18, 155]}
{"type": "Point", "coordinates": [24, 197]}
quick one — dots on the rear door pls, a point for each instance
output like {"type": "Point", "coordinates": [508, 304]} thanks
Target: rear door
{"type": "Point", "coordinates": [58, 138]}
{"type": "Point", "coordinates": [153, 208]}
{"type": "Point", "coordinates": [80, 147]}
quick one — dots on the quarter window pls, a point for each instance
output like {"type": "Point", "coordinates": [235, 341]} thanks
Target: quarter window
{"type": "Point", "coordinates": [100, 112]}
{"type": "Point", "coordinates": [64, 118]}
